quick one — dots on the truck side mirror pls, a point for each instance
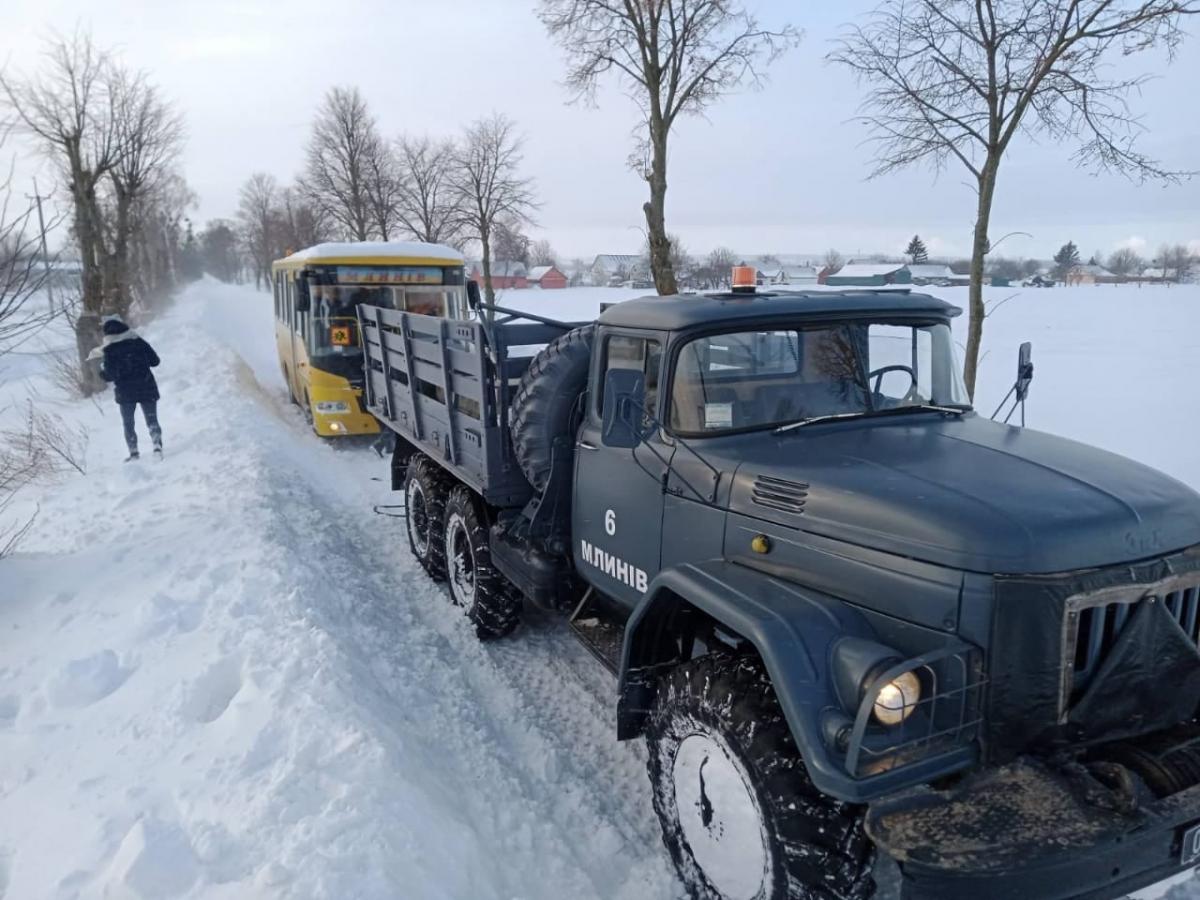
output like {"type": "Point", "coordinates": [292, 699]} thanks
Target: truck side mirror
{"type": "Point", "coordinates": [624, 402]}
{"type": "Point", "coordinates": [473, 299]}
{"type": "Point", "coordinates": [1024, 370]}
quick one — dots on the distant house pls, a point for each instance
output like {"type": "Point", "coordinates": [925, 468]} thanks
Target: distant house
{"type": "Point", "coordinates": [614, 268]}
{"type": "Point", "coordinates": [1154, 275]}
{"type": "Point", "coordinates": [792, 275]}
{"type": "Point", "coordinates": [870, 275]}
{"type": "Point", "coordinates": [931, 273]}
{"type": "Point", "coordinates": [1089, 274]}
{"type": "Point", "coordinates": [506, 274]}
{"type": "Point", "coordinates": [548, 278]}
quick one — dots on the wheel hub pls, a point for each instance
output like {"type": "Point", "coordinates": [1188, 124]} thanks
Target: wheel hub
{"type": "Point", "coordinates": [418, 517]}
{"type": "Point", "coordinates": [720, 818]}
{"type": "Point", "coordinates": [461, 560]}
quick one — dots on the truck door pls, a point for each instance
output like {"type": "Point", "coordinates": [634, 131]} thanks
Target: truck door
{"type": "Point", "coordinates": [618, 503]}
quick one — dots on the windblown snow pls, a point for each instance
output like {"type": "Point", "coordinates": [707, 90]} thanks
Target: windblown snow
{"type": "Point", "coordinates": [222, 676]}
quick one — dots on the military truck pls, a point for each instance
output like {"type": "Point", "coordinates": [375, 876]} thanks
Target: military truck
{"type": "Point", "coordinates": [858, 624]}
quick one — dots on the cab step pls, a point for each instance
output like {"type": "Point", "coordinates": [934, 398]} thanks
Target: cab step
{"type": "Point", "coordinates": [599, 633]}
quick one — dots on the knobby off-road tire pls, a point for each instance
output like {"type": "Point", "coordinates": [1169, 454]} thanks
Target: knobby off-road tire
{"type": "Point", "coordinates": [740, 816]}
{"type": "Point", "coordinates": [490, 602]}
{"type": "Point", "coordinates": [546, 400]}
{"type": "Point", "coordinates": [425, 493]}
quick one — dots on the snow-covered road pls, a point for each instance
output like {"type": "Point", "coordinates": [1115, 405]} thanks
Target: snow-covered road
{"type": "Point", "coordinates": [222, 676]}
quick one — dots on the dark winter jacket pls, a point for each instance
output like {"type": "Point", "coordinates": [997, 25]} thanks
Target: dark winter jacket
{"type": "Point", "coordinates": [127, 363]}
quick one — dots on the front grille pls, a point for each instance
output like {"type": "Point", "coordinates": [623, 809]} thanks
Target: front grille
{"type": "Point", "coordinates": [1097, 626]}
{"type": "Point", "coordinates": [778, 493]}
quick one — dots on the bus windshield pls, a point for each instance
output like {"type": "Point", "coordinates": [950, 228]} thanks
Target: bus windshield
{"type": "Point", "coordinates": [334, 311]}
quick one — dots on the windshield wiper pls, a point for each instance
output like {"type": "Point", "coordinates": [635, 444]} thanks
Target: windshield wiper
{"type": "Point", "coordinates": [869, 414]}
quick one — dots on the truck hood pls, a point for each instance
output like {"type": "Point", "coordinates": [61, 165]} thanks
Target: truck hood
{"type": "Point", "coordinates": [967, 493]}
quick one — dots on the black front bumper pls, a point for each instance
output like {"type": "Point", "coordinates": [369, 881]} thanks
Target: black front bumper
{"type": "Point", "coordinates": [1027, 832]}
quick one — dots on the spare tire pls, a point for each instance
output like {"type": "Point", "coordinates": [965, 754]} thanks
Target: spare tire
{"type": "Point", "coordinates": [547, 401]}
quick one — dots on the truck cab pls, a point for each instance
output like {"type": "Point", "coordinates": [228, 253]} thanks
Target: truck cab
{"type": "Point", "coordinates": [858, 624]}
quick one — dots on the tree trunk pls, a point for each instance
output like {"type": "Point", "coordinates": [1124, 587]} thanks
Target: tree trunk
{"type": "Point", "coordinates": [979, 249]}
{"type": "Point", "coordinates": [489, 292]}
{"type": "Point", "coordinates": [656, 226]}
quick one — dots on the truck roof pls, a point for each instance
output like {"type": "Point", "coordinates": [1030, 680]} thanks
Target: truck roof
{"type": "Point", "coordinates": [685, 311]}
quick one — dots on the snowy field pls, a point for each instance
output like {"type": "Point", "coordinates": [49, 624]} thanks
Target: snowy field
{"type": "Point", "coordinates": [222, 676]}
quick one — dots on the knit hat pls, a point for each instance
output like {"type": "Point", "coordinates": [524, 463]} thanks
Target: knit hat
{"type": "Point", "coordinates": [115, 326]}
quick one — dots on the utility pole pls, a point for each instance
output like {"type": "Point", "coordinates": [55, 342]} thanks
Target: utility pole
{"type": "Point", "coordinates": [37, 198]}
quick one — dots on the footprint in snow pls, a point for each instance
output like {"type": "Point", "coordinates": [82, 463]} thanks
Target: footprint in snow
{"type": "Point", "coordinates": [83, 682]}
{"type": "Point", "coordinates": [211, 693]}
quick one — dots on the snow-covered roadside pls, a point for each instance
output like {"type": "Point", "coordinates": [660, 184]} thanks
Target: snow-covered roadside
{"type": "Point", "coordinates": [221, 676]}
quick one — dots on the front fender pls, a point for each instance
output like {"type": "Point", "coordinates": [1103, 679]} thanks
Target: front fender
{"type": "Point", "coordinates": [793, 630]}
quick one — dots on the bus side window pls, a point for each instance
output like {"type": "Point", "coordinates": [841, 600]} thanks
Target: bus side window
{"type": "Point", "coordinates": [287, 317]}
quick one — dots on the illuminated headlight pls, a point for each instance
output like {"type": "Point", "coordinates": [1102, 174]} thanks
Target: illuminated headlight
{"type": "Point", "coordinates": [332, 406]}
{"type": "Point", "coordinates": [336, 426]}
{"type": "Point", "coordinates": [897, 699]}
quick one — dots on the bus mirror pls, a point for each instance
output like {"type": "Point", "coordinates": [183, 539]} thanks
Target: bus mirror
{"type": "Point", "coordinates": [624, 408]}
{"type": "Point", "coordinates": [1024, 370]}
{"type": "Point", "coordinates": [473, 299]}
{"type": "Point", "coordinates": [302, 296]}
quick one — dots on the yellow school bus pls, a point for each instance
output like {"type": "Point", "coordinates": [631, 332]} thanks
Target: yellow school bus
{"type": "Point", "coordinates": [317, 292]}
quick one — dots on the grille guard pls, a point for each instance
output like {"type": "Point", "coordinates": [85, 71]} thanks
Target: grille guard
{"type": "Point", "coordinates": [946, 718]}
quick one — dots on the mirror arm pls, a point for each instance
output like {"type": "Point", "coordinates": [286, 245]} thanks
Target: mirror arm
{"type": "Point", "coordinates": [657, 424]}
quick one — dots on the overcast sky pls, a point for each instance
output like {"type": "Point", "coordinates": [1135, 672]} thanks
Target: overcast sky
{"type": "Point", "coordinates": [780, 170]}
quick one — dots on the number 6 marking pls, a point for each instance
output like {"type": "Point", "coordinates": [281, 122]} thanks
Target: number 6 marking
{"type": "Point", "coordinates": [610, 522]}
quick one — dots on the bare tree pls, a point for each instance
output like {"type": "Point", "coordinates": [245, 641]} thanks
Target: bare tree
{"type": "Point", "coordinates": [22, 275]}
{"type": "Point", "coordinates": [300, 223]}
{"type": "Point", "coordinates": [67, 109]}
{"type": "Point", "coordinates": [348, 173]}
{"type": "Point", "coordinates": [429, 207]}
{"type": "Point", "coordinates": [488, 183]}
{"type": "Point", "coordinates": [258, 218]}
{"type": "Point", "coordinates": [542, 254]}
{"type": "Point", "coordinates": [958, 80]}
{"type": "Point", "coordinates": [1125, 261]}
{"type": "Point", "coordinates": [1176, 261]}
{"type": "Point", "coordinates": [833, 261]}
{"type": "Point", "coordinates": [510, 243]}
{"type": "Point", "coordinates": [148, 135]}
{"type": "Point", "coordinates": [675, 57]}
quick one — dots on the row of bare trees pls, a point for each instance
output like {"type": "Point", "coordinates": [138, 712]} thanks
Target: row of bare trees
{"type": "Point", "coordinates": [114, 141]}
{"type": "Point", "coordinates": [357, 185]}
{"type": "Point", "coordinates": [949, 82]}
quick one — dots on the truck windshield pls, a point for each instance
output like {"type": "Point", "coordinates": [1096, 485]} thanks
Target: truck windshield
{"type": "Point", "coordinates": [760, 379]}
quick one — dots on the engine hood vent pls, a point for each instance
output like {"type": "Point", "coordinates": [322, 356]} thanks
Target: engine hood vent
{"type": "Point", "coordinates": [778, 493]}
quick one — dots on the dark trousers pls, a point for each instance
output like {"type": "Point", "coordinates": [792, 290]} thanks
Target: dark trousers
{"type": "Point", "coordinates": [150, 414]}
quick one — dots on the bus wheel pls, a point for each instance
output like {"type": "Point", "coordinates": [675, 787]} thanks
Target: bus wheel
{"type": "Point", "coordinates": [489, 601]}
{"type": "Point", "coordinates": [425, 505]}
{"type": "Point", "coordinates": [308, 412]}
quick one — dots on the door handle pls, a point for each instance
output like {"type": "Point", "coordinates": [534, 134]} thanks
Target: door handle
{"type": "Point", "coordinates": [584, 445]}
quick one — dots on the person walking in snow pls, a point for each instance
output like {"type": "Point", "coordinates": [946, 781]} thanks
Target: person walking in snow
{"type": "Point", "coordinates": [128, 360]}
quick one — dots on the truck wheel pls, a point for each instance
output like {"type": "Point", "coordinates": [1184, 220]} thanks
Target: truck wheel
{"type": "Point", "coordinates": [425, 505]}
{"type": "Point", "coordinates": [740, 816]}
{"type": "Point", "coordinates": [545, 404]}
{"type": "Point", "coordinates": [489, 601]}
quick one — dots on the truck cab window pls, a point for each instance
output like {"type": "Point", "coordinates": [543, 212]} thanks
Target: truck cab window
{"type": "Point", "coordinates": [640, 354]}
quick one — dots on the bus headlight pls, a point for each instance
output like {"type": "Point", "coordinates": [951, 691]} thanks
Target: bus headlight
{"type": "Point", "coordinates": [332, 406]}
{"type": "Point", "coordinates": [897, 699]}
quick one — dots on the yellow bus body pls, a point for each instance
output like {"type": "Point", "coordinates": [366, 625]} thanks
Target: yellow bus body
{"type": "Point", "coordinates": [332, 403]}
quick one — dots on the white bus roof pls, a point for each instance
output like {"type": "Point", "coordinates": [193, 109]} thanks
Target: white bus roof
{"type": "Point", "coordinates": [365, 253]}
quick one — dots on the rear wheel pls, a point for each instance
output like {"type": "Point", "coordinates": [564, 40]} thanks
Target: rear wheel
{"type": "Point", "coordinates": [740, 816]}
{"type": "Point", "coordinates": [489, 601]}
{"type": "Point", "coordinates": [425, 491]}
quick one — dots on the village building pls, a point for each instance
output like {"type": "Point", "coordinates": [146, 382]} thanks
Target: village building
{"type": "Point", "coordinates": [615, 268]}
{"type": "Point", "coordinates": [869, 275]}
{"type": "Point", "coordinates": [547, 278]}
{"type": "Point", "coordinates": [931, 273]}
{"type": "Point", "coordinates": [506, 274]}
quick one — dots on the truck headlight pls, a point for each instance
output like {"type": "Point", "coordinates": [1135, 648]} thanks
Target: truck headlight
{"type": "Point", "coordinates": [858, 664]}
{"type": "Point", "coordinates": [897, 699]}
{"type": "Point", "coordinates": [332, 406]}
